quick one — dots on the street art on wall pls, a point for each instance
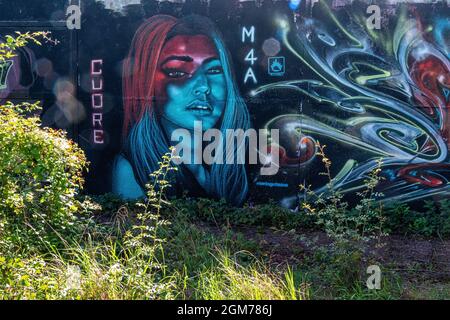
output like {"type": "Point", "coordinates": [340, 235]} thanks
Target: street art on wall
{"type": "Point", "coordinates": [178, 72]}
{"type": "Point", "coordinates": [370, 81]}
{"type": "Point", "coordinates": [388, 102]}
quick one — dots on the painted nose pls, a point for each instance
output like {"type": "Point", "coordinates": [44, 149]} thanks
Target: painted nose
{"type": "Point", "coordinates": [202, 86]}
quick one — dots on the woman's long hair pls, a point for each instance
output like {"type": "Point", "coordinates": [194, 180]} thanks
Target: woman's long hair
{"type": "Point", "coordinates": [145, 141]}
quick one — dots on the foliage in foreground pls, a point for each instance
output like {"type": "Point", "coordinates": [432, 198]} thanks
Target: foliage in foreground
{"type": "Point", "coordinates": [231, 280]}
{"type": "Point", "coordinates": [40, 174]}
{"type": "Point", "coordinates": [132, 258]}
{"type": "Point", "coordinates": [159, 250]}
{"type": "Point", "coordinates": [40, 170]}
{"type": "Point", "coordinates": [105, 276]}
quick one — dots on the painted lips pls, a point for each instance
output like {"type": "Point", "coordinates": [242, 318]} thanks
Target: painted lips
{"type": "Point", "coordinates": [201, 107]}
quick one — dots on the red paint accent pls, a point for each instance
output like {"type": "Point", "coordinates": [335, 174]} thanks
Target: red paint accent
{"type": "Point", "coordinates": [424, 177]}
{"type": "Point", "coordinates": [307, 152]}
{"type": "Point", "coordinates": [431, 75]}
{"type": "Point", "coordinates": [139, 68]}
{"type": "Point", "coordinates": [197, 47]}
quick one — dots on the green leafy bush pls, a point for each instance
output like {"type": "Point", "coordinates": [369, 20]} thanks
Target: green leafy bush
{"type": "Point", "coordinates": [266, 215]}
{"type": "Point", "coordinates": [430, 221]}
{"type": "Point", "coordinates": [40, 175]}
{"type": "Point", "coordinates": [341, 221]}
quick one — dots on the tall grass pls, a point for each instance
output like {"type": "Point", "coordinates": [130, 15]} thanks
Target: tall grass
{"type": "Point", "coordinates": [99, 272]}
{"type": "Point", "coordinates": [137, 257]}
{"type": "Point", "coordinates": [232, 281]}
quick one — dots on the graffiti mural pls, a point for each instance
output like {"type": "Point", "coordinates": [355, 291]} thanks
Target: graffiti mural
{"type": "Point", "coordinates": [378, 96]}
{"type": "Point", "coordinates": [178, 72]}
{"type": "Point", "coordinates": [368, 79]}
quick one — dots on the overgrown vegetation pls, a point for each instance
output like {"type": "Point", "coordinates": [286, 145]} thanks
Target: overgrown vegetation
{"type": "Point", "coordinates": [137, 255]}
{"type": "Point", "coordinates": [40, 171]}
{"type": "Point", "coordinates": [432, 221]}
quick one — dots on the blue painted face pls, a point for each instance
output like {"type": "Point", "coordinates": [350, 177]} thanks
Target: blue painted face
{"type": "Point", "coordinates": [190, 83]}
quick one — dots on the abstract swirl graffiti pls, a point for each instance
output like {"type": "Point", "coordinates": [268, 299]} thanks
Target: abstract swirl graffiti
{"type": "Point", "coordinates": [379, 95]}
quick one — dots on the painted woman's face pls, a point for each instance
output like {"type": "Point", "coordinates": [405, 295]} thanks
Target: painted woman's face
{"type": "Point", "coordinates": [190, 83]}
